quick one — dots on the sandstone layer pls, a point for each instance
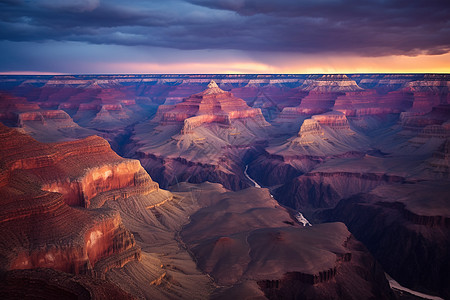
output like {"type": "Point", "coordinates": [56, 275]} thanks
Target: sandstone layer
{"type": "Point", "coordinates": [44, 189]}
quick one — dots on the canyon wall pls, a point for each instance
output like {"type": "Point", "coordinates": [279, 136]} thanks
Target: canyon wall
{"type": "Point", "coordinates": [39, 227]}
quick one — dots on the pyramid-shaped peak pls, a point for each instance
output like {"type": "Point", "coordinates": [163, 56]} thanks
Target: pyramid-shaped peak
{"type": "Point", "coordinates": [213, 88]}
{"type": "Point", "coordinates": [212, 84]}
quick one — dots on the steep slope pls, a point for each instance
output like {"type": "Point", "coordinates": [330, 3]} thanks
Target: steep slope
{"type": "Point", "coordinates": [202, 138]}
{"type": "Point", "coordinates": [39, 228]}
{"type": "Point", "coordinates": [321, 138]}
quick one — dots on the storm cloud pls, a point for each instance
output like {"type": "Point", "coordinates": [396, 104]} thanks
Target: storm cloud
{"type": "Point", "coordinates": [369, 28]}
{"type": "Point", "coordinates": [252, 30]}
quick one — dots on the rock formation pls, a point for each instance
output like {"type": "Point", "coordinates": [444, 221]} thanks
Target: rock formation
{"type": "Point", "coordinates": [211, 105]}
{"type": "Point", "coordinates": [42, 189]}
{"type": "Point", "coordinates": [208, 135]}
{"type": "Point", "coordinates": [246, 237]}
{"type": "Point", "coordinates": [321, 96]}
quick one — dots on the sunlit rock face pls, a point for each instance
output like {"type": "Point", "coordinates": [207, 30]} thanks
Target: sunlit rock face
{"type": "Point", "coordinates": [79, 170]}
{"type": "Point", "coordinates": [205, 137]}
{"type": "Point", "coordinates": [211, 105]}
{"type": "Point", "coordinates": [40, 183]}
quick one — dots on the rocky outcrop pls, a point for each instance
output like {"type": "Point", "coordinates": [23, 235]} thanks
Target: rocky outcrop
{"type": "Point", "coordinates": [69, 168]}
{"type": "Point", "coordinates": [11, 107]}
{"type": "Point", "coordinates": [322, 94]}
{"type": "Point", "coordinates": [317, 103]}
{"type": "Point", "coordinates": [39, 182]}
{"type": "Point", "coordinates": [42, 116]}
{"type": "Point", "coordinates": [433, 90]}
{"type": "Point", "coordinates": [205, 137]}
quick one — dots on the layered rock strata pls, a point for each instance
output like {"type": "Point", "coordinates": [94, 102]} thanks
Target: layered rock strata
{"type": "Point", "coordinates": [205, 137]}
{"type": "Point", "coordinates": [325, 135]}
{"type": "Point", "coordinates": [211, 105]}
{"type": "Point", "coordinates": [41, 184]}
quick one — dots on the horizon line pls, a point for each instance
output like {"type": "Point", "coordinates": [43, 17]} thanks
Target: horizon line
{"type": "Point", "coordinates": [19, 73]}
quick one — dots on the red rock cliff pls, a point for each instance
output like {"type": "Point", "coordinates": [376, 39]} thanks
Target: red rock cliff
{"type": "Point", "coordinates": [39, 181]}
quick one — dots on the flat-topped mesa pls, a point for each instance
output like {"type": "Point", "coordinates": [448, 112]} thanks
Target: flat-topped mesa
{"type": "Point", "coordinates": [211, 105]}
{"type": "Point", "coordinates": [322, 95]}
{"type": "Point", "coordinates": [313, 103]}
{"type": "Point", "coordinates": [333, 119]}
{"type": "Point", "coordinates": [43, 115]}
{"type": "Point", "coordinates": [331, 83]}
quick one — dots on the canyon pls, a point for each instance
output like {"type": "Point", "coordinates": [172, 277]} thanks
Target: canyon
{"type": "Point", "coordinates": [191, 186]}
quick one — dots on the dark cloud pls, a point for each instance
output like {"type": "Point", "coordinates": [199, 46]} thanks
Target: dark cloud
{"type": "Point", "coordinates": [368, 28]}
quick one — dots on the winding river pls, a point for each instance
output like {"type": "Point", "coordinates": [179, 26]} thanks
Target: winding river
{"type": "Point", "coordinates": [298, 216]}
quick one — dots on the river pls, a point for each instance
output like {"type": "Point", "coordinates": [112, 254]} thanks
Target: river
{"type": "Point", "coordinates": [298, 216]}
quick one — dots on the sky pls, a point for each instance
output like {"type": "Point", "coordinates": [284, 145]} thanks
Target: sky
{"type": "Point", "coordinates": [224, 36]}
